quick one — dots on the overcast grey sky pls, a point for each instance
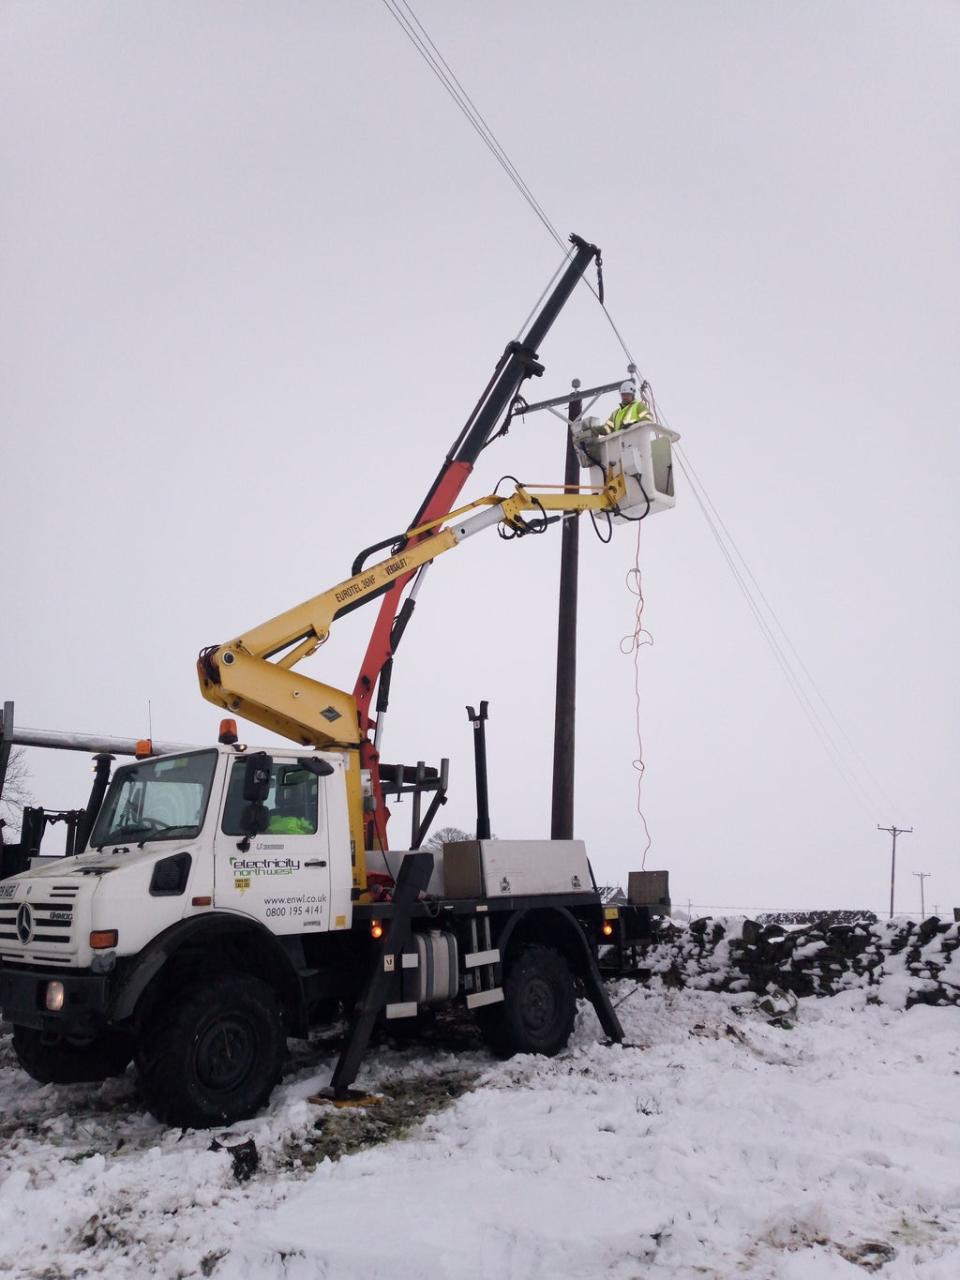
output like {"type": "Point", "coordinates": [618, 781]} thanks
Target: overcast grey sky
{"type": "Point", "coordinates": [257, 269]}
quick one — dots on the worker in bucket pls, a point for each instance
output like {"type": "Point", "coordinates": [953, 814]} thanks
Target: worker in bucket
{"type": "Point", "coordinates": [629, 412]}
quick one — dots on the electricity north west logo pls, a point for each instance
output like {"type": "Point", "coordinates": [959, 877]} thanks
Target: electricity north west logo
{"type": "Point", "coordinates": [264, 866]}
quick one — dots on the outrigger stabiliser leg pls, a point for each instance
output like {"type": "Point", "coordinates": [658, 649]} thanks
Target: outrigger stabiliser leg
{"type": "Point", "coordinates": [412, 880]}
{"type": "Point", "coordinates": [597, 994]}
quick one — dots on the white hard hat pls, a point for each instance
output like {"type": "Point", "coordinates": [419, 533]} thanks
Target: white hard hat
{"type": "Point", "coordinates": [628, 388]}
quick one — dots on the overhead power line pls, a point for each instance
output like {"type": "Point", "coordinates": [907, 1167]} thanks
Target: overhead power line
{"type": "Point", "coordinates": [879, 792]}
{"type": "Point", "coordinates": [422, 41]}
{"type": "Point", "coordinates": [794, 682]}
{"type": "Point", "coordinates": [419, 37]}
{"type": "Point", "coordinates": [795, 671]}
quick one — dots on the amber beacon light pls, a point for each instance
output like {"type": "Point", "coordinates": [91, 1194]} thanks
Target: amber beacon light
{"type": "Point", "coordinates": [228, 732]}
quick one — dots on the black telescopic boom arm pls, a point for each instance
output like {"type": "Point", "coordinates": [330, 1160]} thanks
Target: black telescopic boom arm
{"type": "Point", "coordinates": [518, 362]}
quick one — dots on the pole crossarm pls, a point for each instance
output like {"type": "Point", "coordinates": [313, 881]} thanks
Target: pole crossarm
{"type": "Point", "coordinates": [554, 403]}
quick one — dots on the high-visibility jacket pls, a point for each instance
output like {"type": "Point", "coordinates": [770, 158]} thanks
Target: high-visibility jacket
{"type": "Point", "coordinates": [627, 415]}
{"type": "Point", "coordinates": [281, 824]}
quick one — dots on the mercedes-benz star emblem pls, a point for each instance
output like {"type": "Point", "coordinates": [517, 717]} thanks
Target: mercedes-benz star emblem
{"type": "Point", "coordinates": [25, 923]}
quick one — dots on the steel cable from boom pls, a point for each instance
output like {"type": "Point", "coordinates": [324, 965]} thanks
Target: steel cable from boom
{"type": "Point", "coordinates": [536, 306]}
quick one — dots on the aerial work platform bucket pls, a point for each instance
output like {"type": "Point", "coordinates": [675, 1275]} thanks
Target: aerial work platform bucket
{"type": "Point", "coordinates": [643, 453]}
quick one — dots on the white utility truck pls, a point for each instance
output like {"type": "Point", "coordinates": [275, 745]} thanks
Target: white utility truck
{"type": "Point", "coordinates": [225, 898]}
{"type": "Point", "coordinates": [213, 914]}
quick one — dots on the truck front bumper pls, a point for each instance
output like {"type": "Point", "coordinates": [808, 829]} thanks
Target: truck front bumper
{"type": "Point", "coordinates": [23, 997]}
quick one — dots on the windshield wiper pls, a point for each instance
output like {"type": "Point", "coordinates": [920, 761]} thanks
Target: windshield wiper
{"type": "Point", "coordinates": [122, 833]}
{"type": "Point", "coordinates": [151, 831]}
{"type": "Point", "coordinates": [157, 833]}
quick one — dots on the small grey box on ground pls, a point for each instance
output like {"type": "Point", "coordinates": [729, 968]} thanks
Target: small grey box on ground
{"type": "Point", "coordinates": [649, 889]}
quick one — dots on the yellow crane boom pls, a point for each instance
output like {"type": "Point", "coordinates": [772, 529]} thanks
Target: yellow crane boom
{"type": "Point", "coordinates": [252, 676]}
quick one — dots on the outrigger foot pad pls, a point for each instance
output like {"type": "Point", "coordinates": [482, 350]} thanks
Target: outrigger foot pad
{"type": "Point", "coordinates": [346, 1098]}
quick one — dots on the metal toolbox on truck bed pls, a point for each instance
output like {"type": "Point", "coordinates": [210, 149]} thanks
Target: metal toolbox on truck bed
{"type": "Point", "coordinates": [515, 868]}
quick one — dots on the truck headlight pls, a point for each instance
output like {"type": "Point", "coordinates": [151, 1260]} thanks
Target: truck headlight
{"type": "Point", "coordinates": [54, 997]}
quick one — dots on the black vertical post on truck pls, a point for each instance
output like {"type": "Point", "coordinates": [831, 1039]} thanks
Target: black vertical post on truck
{"type": "Point", "coordinates": [480, 759]}
{"type": "Point", "coordinates": [564, 732]}
{"type": "Point", "coordinates": [6, 741]}
{"type": "Point", "coordinates": [102, 763]}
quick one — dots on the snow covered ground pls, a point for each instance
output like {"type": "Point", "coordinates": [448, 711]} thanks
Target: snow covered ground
{"type": "Point", "coordinates": [711, 1145]}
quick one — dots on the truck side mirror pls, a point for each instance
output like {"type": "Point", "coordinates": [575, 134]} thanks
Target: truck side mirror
{"type": "Point", "coordinates": [319, 768]}
{"type": "Point", "coordinates": [254, 819]}
{"type": "Point", "coordinates": [256, 779]}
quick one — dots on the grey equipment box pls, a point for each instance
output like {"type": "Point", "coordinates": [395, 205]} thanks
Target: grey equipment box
{"type": "Point", "coordinates": [512, 868]}
{"type": "Point", "coordinates": [650, 889]}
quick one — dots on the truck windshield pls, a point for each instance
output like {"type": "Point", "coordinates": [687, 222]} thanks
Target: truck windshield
{"type": "Point", "coordinates": [156, 800]}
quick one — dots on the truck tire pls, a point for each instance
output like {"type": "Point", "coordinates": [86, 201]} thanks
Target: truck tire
{"type": "Point", "coordinates": [539, 1005]}
{"type": "Point", "coordinates": [212, 1053]}
{"type": "Point", "coordinates": [72, 1059]}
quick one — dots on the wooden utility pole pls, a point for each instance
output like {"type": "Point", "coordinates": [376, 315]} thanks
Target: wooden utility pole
{"type": "Point", "coordinates": [564, 733]}
{"type": "Point", "coordinates": [921, 876]}
{"type": "Point", "coordinates": [894, 831]}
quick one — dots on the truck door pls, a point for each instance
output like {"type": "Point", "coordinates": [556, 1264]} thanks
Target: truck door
{"type": "Point", "coordinates": [283, 878]}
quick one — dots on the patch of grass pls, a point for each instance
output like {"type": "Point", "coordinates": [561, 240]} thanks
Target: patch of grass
{"type": "Point", "coordinates": [871, 1255]}
{"type": "Point", "coordinates": [339, 1132]}
{"type": "Point", "coordinates": [98, 1233]}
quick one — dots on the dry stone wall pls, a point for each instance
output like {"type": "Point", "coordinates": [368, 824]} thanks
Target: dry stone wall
{"type": "Point", "coordinates": [899, 962]}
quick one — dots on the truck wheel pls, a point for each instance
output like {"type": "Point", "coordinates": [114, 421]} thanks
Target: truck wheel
{"type": "Point", "coordinates": [72, 1059]}
{"type": "Point", "coordinates": [212, 1053]}
{"type": "Point", "coordinates": [539, 1006]}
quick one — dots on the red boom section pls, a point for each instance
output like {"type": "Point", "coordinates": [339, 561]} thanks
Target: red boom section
{"type": "Point", "coordinates": [518, 362]}
{"type": "Point", "coordinates": [379, 650]}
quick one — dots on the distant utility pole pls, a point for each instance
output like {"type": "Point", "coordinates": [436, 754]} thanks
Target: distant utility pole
{"type": "Point", "coordinates": [894, 831]}
{"type": "Point", "coordinates": [921, 876]}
